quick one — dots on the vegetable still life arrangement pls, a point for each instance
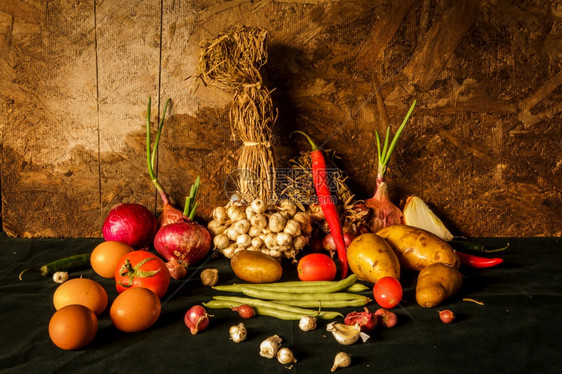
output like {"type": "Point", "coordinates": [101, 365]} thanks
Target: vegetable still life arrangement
{"type": "Point", "coordinates": [348, 256]}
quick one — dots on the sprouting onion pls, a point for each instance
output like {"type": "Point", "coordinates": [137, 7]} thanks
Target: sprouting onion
{"type": "Point", "coordinates": [383, 212]}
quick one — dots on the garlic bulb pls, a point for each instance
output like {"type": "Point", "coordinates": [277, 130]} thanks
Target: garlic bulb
{"type": "Point", "coordinates": [270, 241]}
{"type": "Point", "coordinates": [219, 214]}
{"type": "Point", "coordinates": [231, 233]}
{"type": "Point", "coordinates": [302, 217]}
{"type": "Point", "coordinates": [244, 241]}
{"type": "Point", "coordinates": [285, 356]}
{"type": "Point", "coordinates": [270, 346]}
{"type": "Point", "coordinates": [257, 242]}
{"type": "Point", "coordinates": [235, 213]}
{"type": "Point", "coordinates": [258, 206]}
{"type": "Point", "coordinates": [277, 222]}
{"type": "Point", "coordinates": [346, 334]}
{"type": "Point", "coordinates": [259, 220]}
{"type": "Point", "coordinates": [209, 277]}
{"type": "Point", "coordinates": [229, 251]}
{"type": "Point", "coordinates": [307, 323]}
{"type": "Point", "coordinates": [221, 241]}
{"type": "Point", "coordinates": [283, 239]}
{"type": "Point", "coordinates": [292, 227]}
{"type": "Point", "coordinates": [299, 242]}
{"type": "Point", "coordinates": [249, 212]}
{"type": "Point", "coordinates": [342, 360]}
{"type": "Point", "coordinates": [254, 231]}
{"type": "Point", "coordinates": [216, 227]}
{"type": "Point", "coordinates": [288, 207]}
{"type": "Point", "coordinates": [238, 333]}
{"type": "Point", "coordinates": [242, 226]}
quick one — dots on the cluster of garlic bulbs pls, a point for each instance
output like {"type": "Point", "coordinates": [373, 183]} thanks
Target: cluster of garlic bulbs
{"type": "Point", "coordinates": [279, 231]}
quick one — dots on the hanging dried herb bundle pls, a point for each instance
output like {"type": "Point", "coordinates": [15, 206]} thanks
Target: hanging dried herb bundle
{"type": "Point", "coordinates": [233, 58]}
{"type": "Point", "coordinates": [232, 62]}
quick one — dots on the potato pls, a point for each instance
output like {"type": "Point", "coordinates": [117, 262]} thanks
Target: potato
{"type": "Point", "coordinates": [371, 258]}
{"type": "Point", "coordinates": [417, 248]}
{"type": "Point", "coordinates": [436, 283]}
{"type": "Point", "coordinates": [256, 267]}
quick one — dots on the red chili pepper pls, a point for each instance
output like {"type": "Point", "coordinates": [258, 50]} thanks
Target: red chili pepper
{"type": "Point", "coordinates": [326, 201]}
{"type": "Point", "coordinates": [477, 261]}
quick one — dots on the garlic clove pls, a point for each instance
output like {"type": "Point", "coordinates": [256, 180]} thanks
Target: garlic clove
{"type": "Point", "coordinates": [238, 333]}
{"type": "Point", "coordinates": [285, 356]}
{"type": "Point", "coordinates": [307, 323]}
{"type": "Point", "coordinates": [344, 334]}
{"type": "Point", "coordinates": [270, 346]}
{"type": "Point", "coordinates": [416, 213]}
{"type": "Point", "coordinates": [342, 360]}
{"type": "Point", "coordinates": [60, 277]}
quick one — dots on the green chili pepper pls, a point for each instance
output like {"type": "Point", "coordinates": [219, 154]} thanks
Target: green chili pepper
{"type": "Point", "coordinates": [62, 264]}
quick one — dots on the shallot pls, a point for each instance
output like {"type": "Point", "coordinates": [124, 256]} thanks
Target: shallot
{"type": "Point", "coordinates": [196, 319]}
{"type": "Point", "coordinates": [365, 319]}
{"type": "Point", "coordinates": [383, 212]}
{"type": "Point", "coordinates": [386, 318]}
{"type": "Point", "coordinates": [328, 241]}
{"type": "Point", "coordinates": [245, 311]}
{"type": "Point", "coordinates": [446, 316]}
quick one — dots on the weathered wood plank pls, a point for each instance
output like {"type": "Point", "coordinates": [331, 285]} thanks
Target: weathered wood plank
{"type": "Point", "coordinates": [128, 68]}
{"type": "Point", "coordinates": [49, 180]}
{"type": "Point", "coordinates": [482, 147]}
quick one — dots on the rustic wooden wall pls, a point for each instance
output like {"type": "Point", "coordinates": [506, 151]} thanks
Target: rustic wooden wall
{"type": "Point", "coordinates": [483, 147]}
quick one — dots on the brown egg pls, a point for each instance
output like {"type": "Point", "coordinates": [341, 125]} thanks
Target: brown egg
{"type": "Point", "coordinates": [106, 255]}
{"type": "Point", "coordinates": [73, 327]}
{"type": "Point", "coordinates": [135, 309]}
{"type": "Point", "coordinates": [81, 291]}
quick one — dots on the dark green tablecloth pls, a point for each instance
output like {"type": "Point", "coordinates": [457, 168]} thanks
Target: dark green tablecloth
{"type": "Point", "coordinates": [515, 331]}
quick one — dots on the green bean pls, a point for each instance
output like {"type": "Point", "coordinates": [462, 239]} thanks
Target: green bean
{"type": "Point", "coordinates": [298, 286]}
{"type": "Point", "coordinates": [271, 295]}
{"type": "Point", "coordinates": [281, 314]}
{"type": "Point", "coordinates": [357, 287]}
{"type": "Point", "coordinates": [272, 309]}
{"type": "Point", "coordinates": [326, 304]}
{"type": "Point", "coordinates": [268, 304]}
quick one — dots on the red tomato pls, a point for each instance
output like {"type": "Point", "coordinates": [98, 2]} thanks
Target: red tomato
{"type": "Point", "coordinates": [316, 267]}
{"type": "Point", "coordinates": [142, 269]}
{"type": "Point", "coordinates": [387, 292]}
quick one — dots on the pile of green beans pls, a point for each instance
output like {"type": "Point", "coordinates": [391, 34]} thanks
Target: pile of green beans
{"type": "Point", "coordinates": [289, 300]}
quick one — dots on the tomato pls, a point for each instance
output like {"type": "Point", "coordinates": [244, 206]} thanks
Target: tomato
{"type": "Point", "coordinates": [316, 267]}
{"type": "Point", "coordinates": [387, 292]}
{"type": "Point", "coordinates": [106, 255]}
{"type": "Point", "coordinates": [142, 269]}
{"type": "Point", "coordinates": [135, 309]}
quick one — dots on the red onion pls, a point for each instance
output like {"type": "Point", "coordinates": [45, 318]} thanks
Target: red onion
{"type": "Point", "coordinates": [328, 241]}
{"type": "Point", "coordinates": [196, 319]}
{"type": "Point", "coordinates": [245, 311]}
{"type": "Point", "coordinates": [386, 318]}
{"type": "Point", "coordinates": [132, 224]}
{"type": "Point", "coordinates": [365, 319]}
{"type": "Point", "coordinates": [186, 241]}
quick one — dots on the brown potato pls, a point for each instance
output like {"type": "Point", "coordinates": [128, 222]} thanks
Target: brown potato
{"type": "Point", "coordinates": [417, 248]}
{"type": "Point", "coordinates": [256, 267]}
{"type": "Point", "coordinates": [436, 283]}
{"type": "Point", "coordinates": [371, 258]}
